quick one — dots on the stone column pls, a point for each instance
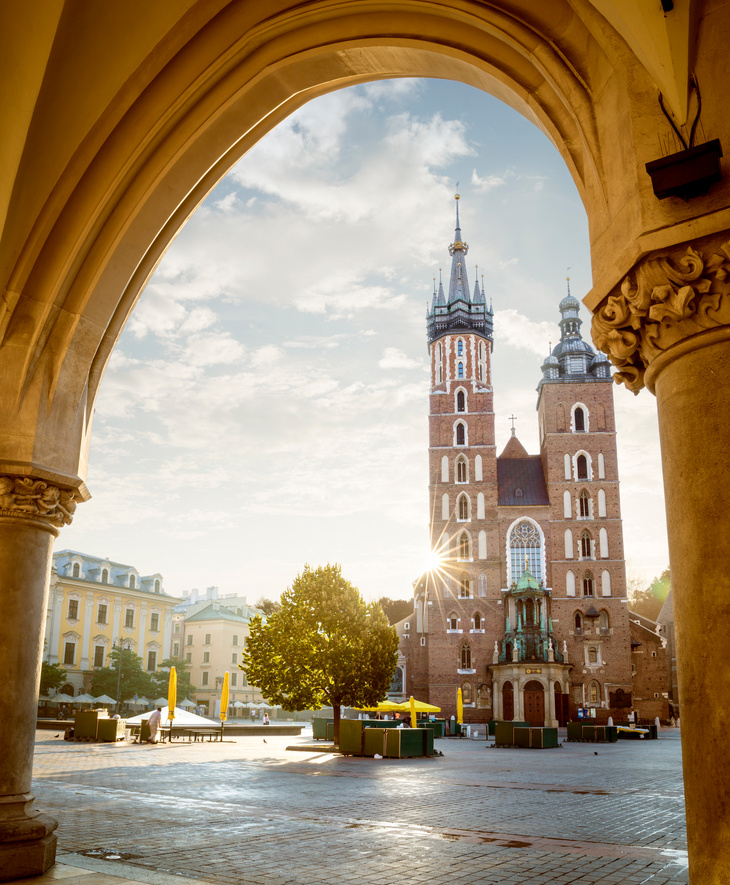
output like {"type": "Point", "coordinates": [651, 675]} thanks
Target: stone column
{"type": "Point", "coordinates": [30, 513]}
{"type": "Point", "coordinates": [668, 327]}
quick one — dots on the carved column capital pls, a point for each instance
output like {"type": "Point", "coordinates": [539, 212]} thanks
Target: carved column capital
{"type": "Point", "coordinates": [667, 298]}
{"type": "Point", "coordinates": [36, 500]}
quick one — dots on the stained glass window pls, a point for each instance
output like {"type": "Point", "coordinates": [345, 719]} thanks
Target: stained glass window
{"type": "Point", "coordinates": [525, 545]}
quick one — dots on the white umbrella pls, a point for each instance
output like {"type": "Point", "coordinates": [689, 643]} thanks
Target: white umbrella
{"type": "Point", "coordinates": [160, 702]}
{"type": "Point", "coordinates": [182, 717]}
{"type": "Point", "coordinates": [187, 704]}
{"type": "Point", "coordinates": [62, 698]}
{"type": "Point", "coordinates": [105, 699]}
{"type": "Point", "coordinates": [239, 704]}
{"type": "Point", "coordinates": [83, 699]}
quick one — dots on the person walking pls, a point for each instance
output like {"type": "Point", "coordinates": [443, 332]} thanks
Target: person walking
{"type": "Point", "coordinates": [154, 723]}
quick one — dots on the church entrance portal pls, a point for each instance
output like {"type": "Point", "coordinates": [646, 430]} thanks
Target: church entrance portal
{"type": "Point", "coordinates": [535, 704]}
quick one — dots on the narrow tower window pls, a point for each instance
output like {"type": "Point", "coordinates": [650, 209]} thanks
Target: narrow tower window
{"type": "Point", "coordinates": [584, 505]}
{"type": "Point", "coordinates": [460, 348]}
{"type": "Point", "coordinates": [466, 658]}
{"type": "Point", "coordinates": [582, 467]}
{"type": "Point", "coordinates": [460, 435]}
{"type": "Point", "coordinates": [460, 401]}
{"type": "Point", "coordinates": [461, 370]}
{"type": "Point", "coordinates": [579, 420]}
{"type": "Point", "coordinates": [461, 470]}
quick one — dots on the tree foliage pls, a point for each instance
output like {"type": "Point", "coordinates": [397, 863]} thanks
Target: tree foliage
{"type": "Point", "coordinates": [649, 600]}
{"type": "Point", "coordinates": [134, 680]}
{"type": "Point", "coordinates": [268, 606]}
{"type": "Point", "coordinates": [161, 678]}
{"type": "Point", "coordinates": [324, 647]}
{"type": "Point", "coordinates": [52, 676]}
{"type": "Point", "coordinates": [396, 609]}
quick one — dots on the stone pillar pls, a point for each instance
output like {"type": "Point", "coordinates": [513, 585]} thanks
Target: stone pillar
{"type": "Point", "coordinates": [30, 513]}
{"type": "Point", "coordinates": [668, 327]}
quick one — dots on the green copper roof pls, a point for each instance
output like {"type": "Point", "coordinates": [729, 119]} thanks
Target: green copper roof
{"type": "Point", "coordinates": [527, 582]}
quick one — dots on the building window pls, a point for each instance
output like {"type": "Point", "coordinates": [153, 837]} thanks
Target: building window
{"type": "Point", "coordinates": [464, 587]}
{"type": "Point", "coordinates": [234, 679]}
{"type": "Point", "coordinates": [525, 544]}
{"type": "Point", "coordinates": [603, 622]}
{"type": "Point", "coordinates": [460, 401]}
{"type": "Point", "coordinates": [477, 621]}
{"type": "Point", "coordinates": [206, 657]}
{"type": "Point", "coordinates": [69, 652]}
{"type": "Point", "coordinates": [101, 615]}
{"type": "Point", "coordinates": [593, 693]}
{"type": "Point", "coordinates": [129, 618]}
{"type": "Point", "coordinates": [132, 582]}
{"type": "Point", "coordinates": [461, 470]}
{"type": "Point", "coordinates": [176, 649]}
{"type": "Point", "coordinates": [207, 639]}
{"type": "Point", "coordinates": [579, 420]}
{"type": "Point", "coordinates": [581, 465]}
{"type": "Point", "coordinates": [461, 370]}
{"type": "Point", "coordinates": [578, 623]}
{"type": "Point", "coordinates": [482, 584]}
{"type": "Point", "coordinates": [592, 655]}
{"type": "Point", "coordinates": [452, 622]}
{"type": "Point", "coordinates": [584, 505]}
{"type": "Point", "coordinates": [98, 656]}
{"type": "Point", "coordinates": [176, 627]}
{"type": "Point", "coordinates": [235, 639]}
{"type": "Point", "coordinates": [204, 678]}
{"type": "Point", "coordinates": [73, 610]}
{"type": "Point", "coordinates": [151, 660]}
{"type": "Point", "coordinates": [463, 507]}
{"type": "Point", "coordinates": [466, 658]}
{"type": "Point", "coordinates": [189, 657]}
{"type": "Point", "coordinates": [190, 639]}
{"type": "Point", "coordinates": [588, 584]}
{"type": "Point", "coordinates": [464, 546]}
{"type": "Point", "coordinates": [234, 658]}
{"type": "Point", "coordinates": [154, 622]}
{"type": "Point", "coordinates": [466, 695]}
{"type": "Point", "coordinates": [104, 576]}
{"type": "Point", "coordinates": [76, 570]}
{"type": "Point", "coordinates": [157, 586]}
{"type": "Point", "coordinates": [460, 348]}
{"type": "Point", "coordinates": [585, 546]}
{"type": "Point", "coordinates": [460, 435]}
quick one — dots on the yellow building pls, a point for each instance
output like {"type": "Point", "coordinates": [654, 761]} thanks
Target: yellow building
{"type": "Point", "coordinates": [96, 603]}
{"type": "Point", "coordinates": [212, 638]}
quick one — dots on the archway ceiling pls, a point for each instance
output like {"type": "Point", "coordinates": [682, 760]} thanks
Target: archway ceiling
{"type": "Point", "coordinates": [124, 115]}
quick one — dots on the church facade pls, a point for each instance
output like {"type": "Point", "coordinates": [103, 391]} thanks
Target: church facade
{"type": "Point", "coordinates": [526, 611]}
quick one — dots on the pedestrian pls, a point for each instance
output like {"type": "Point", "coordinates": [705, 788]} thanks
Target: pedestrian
{"type": "Point", "coordinates": [154, 723]}
{"type": "Point", "coordinates": [265, 720]}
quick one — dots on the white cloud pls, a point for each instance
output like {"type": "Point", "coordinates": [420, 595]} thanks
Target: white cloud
{"type": "Point", "coordinates": [484, 185]}
{"type": "Point", "coordinates": [511, 327]}
{"type": "Point", "coordinates": [395, 359]}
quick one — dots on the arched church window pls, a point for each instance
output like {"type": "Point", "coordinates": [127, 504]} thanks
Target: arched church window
{"type": "Point", "coordinates": [460, 434]}
{"type": "Point", "coordinates": [465, 657]}
{"type": "Point", "coordinates": [460, 401]}
{"type": "Point", "coordinates": [603, 622]}
{"type": "Point", "coordinates": [464, 546]}
{"type": "Point", "coordinates": [482, 584]}
{"type": "Point", "coordinates": [461, 470]}
{"type": "Point", "coordinates": [452, 622]}
{"type": "Point", "coordinates": [584, 505]}
{"type": "Point", "coordinates": [525, 544]}
{"type": "Point", "coordinates": [463, 507]}
{"type": "Point", "coordinates": [579, 420]}
{"type": "Point", "coordinates": [588, 584]}
{"type": "Point", "coordinates": [460, 348]}
{"type": "Point", "coordinates": [586, 546]}
{"type": "Point", "coordinates": [593, 693]}
{"type": "Point", "coordinates": [477, 621]}
{"type": "Point", "coordinates": [582, 467]}
{"type": "Point", "coordinates": [466, 695]}
{"type": "Point", "coordinates": [578, 622]}
{"type": "Point", "coordinates": [461, 370]}
{"type": "Point", "coordinates": [77, 570]}
{"type": "Point", "coordinates": [464, 587]}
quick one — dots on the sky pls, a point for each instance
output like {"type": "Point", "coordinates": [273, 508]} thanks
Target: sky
{"type": "Point", "coordinates": [266, 405]}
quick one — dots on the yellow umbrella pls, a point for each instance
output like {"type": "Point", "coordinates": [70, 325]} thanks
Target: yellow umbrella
{"type": "Point", "coordinates": [412, 705]}
{"type": "Point", "coordinates": [223, 715]}
{"type": "Point", "coordinates": [421, 707]}
{"type": "Point", "coordinates": [459, 708]}
{"type": "Point", "coordinates": [383, 707]}
{"type": "Point", "coordinates": [172, 693]}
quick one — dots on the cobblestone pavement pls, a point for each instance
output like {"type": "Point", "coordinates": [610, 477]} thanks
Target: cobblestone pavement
{"type": "Point", "coordinates": [252, 812]}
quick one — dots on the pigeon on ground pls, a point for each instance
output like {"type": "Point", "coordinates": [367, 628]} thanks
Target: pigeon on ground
{"type": "Point", "coordinates": [264, 740]}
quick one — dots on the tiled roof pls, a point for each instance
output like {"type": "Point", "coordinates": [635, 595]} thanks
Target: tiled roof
{"type": "Point", "coordinates": [209, 613]}
{"type": "Point", "coordinates": [514, 449]}
{"type": "Point", "coordinates": [521, 474]}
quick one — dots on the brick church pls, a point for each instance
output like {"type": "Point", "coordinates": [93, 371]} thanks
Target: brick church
{"type": "Point", "coordinates": [526, 611]}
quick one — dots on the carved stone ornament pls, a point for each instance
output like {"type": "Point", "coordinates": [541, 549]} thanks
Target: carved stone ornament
{"type": "Point", "coordinates": [663, 301]}
{"type": "Point", "coordinates": [25, 497]}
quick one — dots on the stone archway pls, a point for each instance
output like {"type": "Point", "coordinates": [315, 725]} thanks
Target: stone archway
{"type": "Point", "coordinates": [96, 182]}
{"type": "Point", "coordinates": [534, 703]}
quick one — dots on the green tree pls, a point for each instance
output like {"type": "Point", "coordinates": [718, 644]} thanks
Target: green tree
{"type": "Point", "coordinates": [649, 600]}
{"type": "Point", "coordinates": [52, 676]}
{"type": "Point", "coordinates": [161, 678]}
{"type": "Point", "coordinates": [324, 647]}
{"type": "Point", "coordinates": [268, 606]}
{"type": "Point", "coordinates": [134, 680]}
{"type": "Point", "coordinates": [396, 609]}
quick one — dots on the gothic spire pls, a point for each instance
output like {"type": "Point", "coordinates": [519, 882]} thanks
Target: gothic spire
{"type": "Point", "coordinates": [458, 282]}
